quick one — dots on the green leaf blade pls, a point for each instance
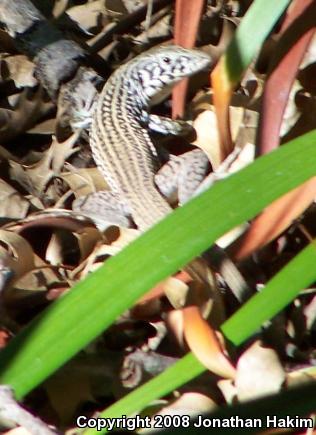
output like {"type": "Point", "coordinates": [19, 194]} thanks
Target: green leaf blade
{"type": "Point", "coordinates": [74, 320]}
{"type": "Point", "coordinates": [250, 35]}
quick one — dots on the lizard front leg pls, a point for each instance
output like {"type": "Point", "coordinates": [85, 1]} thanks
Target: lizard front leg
{"type": "Point", "coordinates": [163, 125]}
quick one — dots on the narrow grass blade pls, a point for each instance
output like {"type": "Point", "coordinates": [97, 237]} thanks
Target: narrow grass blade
{"type": "Point", "coordinates": [74, 320]}
{"type": "Point", "coordinates": [245, 45]}
{"type": "Point", "coordinates": [250, 35]}
{"type": "Point", "coordinates": [278, 293]}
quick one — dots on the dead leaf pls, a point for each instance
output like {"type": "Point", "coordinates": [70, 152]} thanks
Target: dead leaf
{"type": "Point", "coordinates": [26, 111]}
{"type": "Point", "coordinates": [110, 247]}
{"type": "Point", "coordinates": [16, 253]}
{"type": "Point", "coordinates": [83, 181]}
{"type": "Point", "coordinates": [19, 69]}
{"type": "Point", "coordinates": [67, 389]}
{"type": "Point", "coordinates": [89, 15]}
{"type": "Point", "coordinates": [207, 133]}
{"type": "Point", "coordinates": [35, 178]}
{"type": "Point", "coordinates": [203, 342]}
{"type": "Point", "coordinates": [176, 291]}
{"type": "Point", "coordinates": [12, 204]}
{"type": "Point", "coordinates": [292, 112]}
{"type": "Point", "coordinates": [188, 404]}
{"type": "Point", "coordinates": [274, 219]}
{"type": "Point", "coordinates": [60, 6]}
{"type": "Point", "coordinates": [259, 372]}
{"type": "Point", "coordinates": [228, 390]}
{"type": "Point", "coordinates": [310, 314]}
{"type": "Point", "coordinates": [243, 126]}
{"type": "Point", "coordinates": [174, 321]}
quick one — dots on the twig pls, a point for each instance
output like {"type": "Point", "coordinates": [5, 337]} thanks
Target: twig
{"type": "Point", "coordinates": [132, 20]}
{"type": "Point", "coordinates": [13, 411]}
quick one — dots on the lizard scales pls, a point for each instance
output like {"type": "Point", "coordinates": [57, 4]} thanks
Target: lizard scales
{"type": "Point", "coordinates": [122, 147]}
{"type": "Point", "coordinates": [120, 142]}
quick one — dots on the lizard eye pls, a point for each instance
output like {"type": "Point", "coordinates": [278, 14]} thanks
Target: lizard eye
{"type": "Point", "coordinates": [166, 59]}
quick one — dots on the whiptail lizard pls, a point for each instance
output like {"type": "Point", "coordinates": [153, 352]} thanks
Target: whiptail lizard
{"type": "Point", "coordinates": [119, 138]}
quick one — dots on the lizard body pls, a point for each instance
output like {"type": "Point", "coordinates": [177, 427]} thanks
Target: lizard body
{"type": "Point", "coordinates": [120, 141]}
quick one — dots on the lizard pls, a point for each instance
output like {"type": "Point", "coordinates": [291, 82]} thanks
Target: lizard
{"type": "Point", "coordinates": [122, 147]}
{"type": "Point", "coordinates": [119, 138]}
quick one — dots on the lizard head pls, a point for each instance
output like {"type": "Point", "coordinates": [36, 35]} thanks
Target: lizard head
{"type": "Point", "coordinates": [157, 70]}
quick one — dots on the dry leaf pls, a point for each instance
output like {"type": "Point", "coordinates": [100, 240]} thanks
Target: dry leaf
{"type": "Point", "coordinates": [83, 181]}
{"type": "Point", "coordinates": [207, 132]}
{"type": "Point", "coordinates": [310, 314]}
{"type": "Point", "coordinates": [188, 404]}
{"type": "Point", "coordinates": [259, 373]}
{"type": "Point", "coordinates": [26, 111]}
{"type": "Point", "coordinates": [291, 113]}
{"type": "Point", "coordinates": [176, 291]}
{"type": "Point", "coordinates": [88, 16]}
{"type": "Point", "coordinates": [16, 253]}
{"type": "Point", "coordinates": [35, 178]}
{"type": "Point", "coordinates": [19, 69]}
{"type": "Point", "coordinates": [203, 342]}
{"type": "Point", "coordinates": [12, 204]}
{"type": "Point", "coordinates": [275, 218]}
{"type": "Point", "coordinates": [174, 321]}
{"type": "Point", "coordinates": [67, 389]}
{"type": "Point", "coordinates": [228, 390]}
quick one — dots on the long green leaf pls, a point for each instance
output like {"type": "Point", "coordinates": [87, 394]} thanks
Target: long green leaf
{"type": "Point", "coordinates": [279, 292]}
{"type": "Point", "coordinates": [250, 35]}
{"type": "Point", "coordinates": [166, 382]}
{"type": "Point", "coordinates": [74, 320]}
